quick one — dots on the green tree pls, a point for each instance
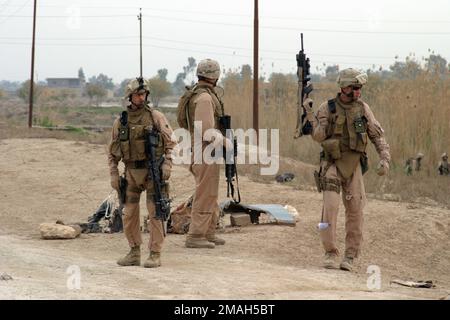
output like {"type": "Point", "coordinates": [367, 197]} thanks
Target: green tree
{"type": "Point", "coordinates": [246, 72]}
{"type": "Point", "coordinates": [406, 70]}
{"type": "Point", "coordinates": [159, 88]}
{"type": "Point", "coordinates": [24, 91]}
{"type": "Point", "coordinates": [436, 63]}
{"type": "Point", "coordinates": [81, 75]}
{"type": "Point", "coordinates": [120, 92]}
{"type": "Point", "coordinates": [102, 80]}
{"type": "Point", "coordinates": [162, 74]}
{"type": "Point", "coordinates": [95, 91]}
{"type": "Point", "coordinates": [331, 72]}
{"type": "Point", "coordinates": [187, 74]}
{"type": "Point", "coordinates": [10, 85]}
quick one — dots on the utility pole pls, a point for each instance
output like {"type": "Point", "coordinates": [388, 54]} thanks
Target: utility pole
{"type": "Point", "coordinates": [256, 69]}
{"type": "Point", "coordinates": [140, 38]}
{"type": "Point", "coordinates": [30, 110]}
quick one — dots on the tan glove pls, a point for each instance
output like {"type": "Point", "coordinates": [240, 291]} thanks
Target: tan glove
{"type": "Point", "coordinates": [166, 169]}
{"type": "Point", "coordinates": [307, 104]}
{"type": "Point", "coordinates": [382, 168]}
{"type": "Point", "coordinates": [115, 182]}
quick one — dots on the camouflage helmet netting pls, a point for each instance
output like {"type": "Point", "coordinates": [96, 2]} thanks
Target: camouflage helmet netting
{"type": "Point", "coordinates": [350, 76]}
{"type": "Point", "coordinates": [209, 69]}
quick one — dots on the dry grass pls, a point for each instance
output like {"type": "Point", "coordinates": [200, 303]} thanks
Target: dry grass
{"type": "Point", "coordinates": [415, 114]}
{"type": "Point", "coordinates": [12, 131]}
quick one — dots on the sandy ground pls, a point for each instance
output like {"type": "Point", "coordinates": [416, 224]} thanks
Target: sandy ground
{"type": "Point", "coordinates": [43, 180]}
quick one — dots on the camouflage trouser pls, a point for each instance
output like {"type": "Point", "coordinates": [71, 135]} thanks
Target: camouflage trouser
{"type": "Point", "coordinates": [354, 199]}
{"type": "Point", "coordinates": [137, 183]}
{"type": "Point", "coordinates": [205, 209]}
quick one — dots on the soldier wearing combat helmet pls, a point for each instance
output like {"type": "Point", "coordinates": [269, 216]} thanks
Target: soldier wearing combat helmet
{"type": "Point", "coordinates": [128, 145]}
{"type": "Point", "coordinates": [205, 106]}
{"type": "Point", "coordinates": [343, 126]}
{"type": "Point", "coordinates": [443, 166]}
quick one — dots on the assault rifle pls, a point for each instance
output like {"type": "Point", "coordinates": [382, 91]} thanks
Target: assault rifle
{"type": "Point", "coordinates": [305, 87]}
{"type": "Point", "coordinates": [161, 200]}
{"type": "Point", "coordinates": [230, 158]}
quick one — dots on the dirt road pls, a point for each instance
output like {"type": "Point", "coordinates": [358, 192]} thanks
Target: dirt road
{"type": "Point", "coordinates": [43, 180]}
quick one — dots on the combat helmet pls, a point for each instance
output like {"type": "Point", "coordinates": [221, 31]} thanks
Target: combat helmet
{"type": "Point", "coordinates": [350, 76]}
{"type": "Point", "coordinates": [135, 86]}
{"type": "Point", "coordinates": [209, 69]}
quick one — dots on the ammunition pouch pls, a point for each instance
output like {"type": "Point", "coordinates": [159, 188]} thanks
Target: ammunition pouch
{"type": "Point", "coordinates": [123, 133]}
{"type": "Point", "coordinates": [332, 149]}
{"type": "Point", "coordinates": [326, 184]}
{"type": "Point", "coordinates": [123, 130]}
{"type": "Point", "coordinates": [140, 164]}
{"type": "Point", "coordinates": [359, 125]}
{"type": "Point", "coordinates": [364, 160]}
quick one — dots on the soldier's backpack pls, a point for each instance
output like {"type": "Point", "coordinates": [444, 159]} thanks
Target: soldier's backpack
{"type": "Point", "coordinates": [180, 218]}
{"type": "Point", "coordinates": [183, 109]}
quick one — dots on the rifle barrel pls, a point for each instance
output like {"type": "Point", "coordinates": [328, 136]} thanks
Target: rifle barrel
{"type": "Point", "coordinates": [301, 37]}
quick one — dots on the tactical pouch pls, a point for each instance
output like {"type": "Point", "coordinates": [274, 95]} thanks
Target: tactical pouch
{"type": "Point", "coordinates": [331, 147]}
{"type": "Point", "coordinates": [123, 133]}
{"type": "Point", "coordinates": [364, 160]}
{"type": "Point", "coordinates": [123, 129]}
{"type": "Point", "coordinates": [359, 126]}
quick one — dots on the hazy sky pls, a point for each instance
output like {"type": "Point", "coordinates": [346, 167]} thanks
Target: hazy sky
{"type": "Point", "coordinates": [103, 35]}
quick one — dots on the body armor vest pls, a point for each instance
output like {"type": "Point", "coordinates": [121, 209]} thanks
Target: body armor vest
{"type": "Point", "coordinates": [347, 136]}
{"type": "Point", "coordinates": [218, 106]}
{"type": "Point", "coordinates": [349, 126]}
{"type": "Point", "coordinates": [130, 144]}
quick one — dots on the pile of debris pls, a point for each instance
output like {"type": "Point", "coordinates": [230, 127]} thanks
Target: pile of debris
{"type": "Point", "coordinates": [107, 219]}
{"type": "Point", "coordinates": [241, 215]}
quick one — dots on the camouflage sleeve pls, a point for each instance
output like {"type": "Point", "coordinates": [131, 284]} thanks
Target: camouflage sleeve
{"type": "Point", "coordinates": [113, 160]}
{"type": "Point", "coordinates": [167, 135]}
{"type": "Point", "coordinates": [376, 135]}
{"type": "Point", "coordinates": [320, 123]}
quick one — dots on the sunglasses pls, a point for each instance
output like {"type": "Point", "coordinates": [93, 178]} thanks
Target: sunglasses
{"type": "Point", "coordinates": [356, 88]}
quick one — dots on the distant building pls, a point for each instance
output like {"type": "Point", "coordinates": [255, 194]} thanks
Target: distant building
{"type": "Point", "coordinates": [76, 85]}
{"type": "Point", "coordinates": [66, 83]}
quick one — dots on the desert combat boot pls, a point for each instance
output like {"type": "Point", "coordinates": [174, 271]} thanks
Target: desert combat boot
{"type": "Point", "coordinates": [330, 261]}
{"type": "Point", "coordinates": [133, 258]}
{"type": "Point", "coordinates": [216, 240]}
{"type": "Point", "coordinates": [347, 264]}
{"type": "Point", "coordinates": [199, 243]}
{"type": "Point", "coordinates": [153, 261]}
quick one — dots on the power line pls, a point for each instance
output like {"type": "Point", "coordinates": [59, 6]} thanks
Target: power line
{"type": "Point", "coordinates": [82, 16]}
{"type": "Point", "coordinates": [296, 18]}
{"type": "Point", "coordinates": [175, 41]}
{"type": "Point", "coordinates": [302, 29]}
{"type": "Point", "coordinates": [297, 29]}
{"type": "Point", "coordinates": [5, 4]}
{"type": "Point", "coordinates": [186, 42]}
{"type": "Point", "coordinates": [18, 10]}
{"type": "Point", "coordinates": [182, 50]}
